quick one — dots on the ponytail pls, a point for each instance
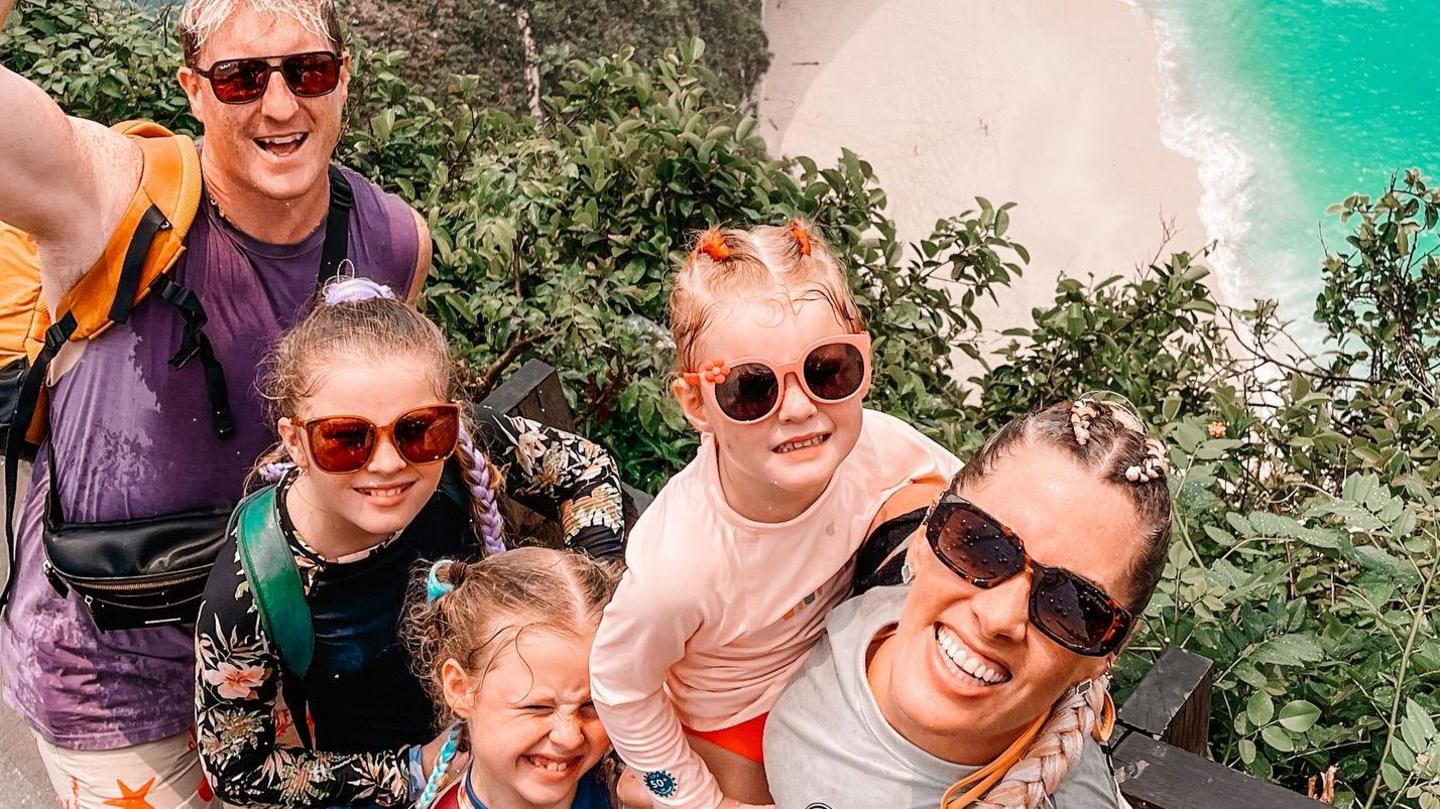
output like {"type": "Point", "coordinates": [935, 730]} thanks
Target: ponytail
{"type": "Point", "coordinates": [1085, 710]}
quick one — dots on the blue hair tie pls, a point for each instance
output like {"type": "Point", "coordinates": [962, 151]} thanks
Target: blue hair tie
{"type": "Point", "coordinates": [434, 588]}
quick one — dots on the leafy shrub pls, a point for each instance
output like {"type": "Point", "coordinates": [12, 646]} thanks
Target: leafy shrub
{"type": "Point", "coordinates": [1306, 542]}
{"type": "Point", "coordinates": [483, 37]}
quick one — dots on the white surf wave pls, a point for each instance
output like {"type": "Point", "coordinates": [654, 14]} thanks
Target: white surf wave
{"type": "Point", "coordinates": [1226, 170]}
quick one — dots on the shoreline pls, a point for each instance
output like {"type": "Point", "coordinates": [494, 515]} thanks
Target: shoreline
{"type": "Point", "coordinates": [1057, 107]}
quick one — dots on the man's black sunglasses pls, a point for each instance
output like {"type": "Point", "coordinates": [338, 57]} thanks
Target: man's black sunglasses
{"type": "Point", "coordinates": [241, 81]}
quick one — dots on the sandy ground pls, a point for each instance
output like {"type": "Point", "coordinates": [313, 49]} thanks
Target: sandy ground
{"type": "Point", "coordinates": [1053, 104]}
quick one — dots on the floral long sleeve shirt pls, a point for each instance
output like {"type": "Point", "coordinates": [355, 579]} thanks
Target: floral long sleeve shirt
{"type": "Point", "coordinates": [246, 736]}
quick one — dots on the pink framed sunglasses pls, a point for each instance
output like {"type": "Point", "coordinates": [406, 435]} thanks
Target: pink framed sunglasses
{"type": "Point", "coordinates": [831, 370]}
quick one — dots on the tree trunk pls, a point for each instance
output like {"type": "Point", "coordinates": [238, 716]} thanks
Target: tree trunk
{"type": "Point", "coordinates": [532, 63]}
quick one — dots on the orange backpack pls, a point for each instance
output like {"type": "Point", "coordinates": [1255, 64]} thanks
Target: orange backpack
{"type": "Point", "coordinates": [127, 573]}
{"type": "Point", "coordinates": [146, 244]}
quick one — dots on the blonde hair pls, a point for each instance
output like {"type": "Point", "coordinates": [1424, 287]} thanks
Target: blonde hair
{"type": "Point", "coordinates": [357, 318]}
{"type": "Point", "coordinates": [200, 19]}
{"type": "Point", "coordinates": [494, 601]}
{"type": "Point", "coordinates": [1037, 775]}
{"type": "Point", "coordinates": [727, 262]}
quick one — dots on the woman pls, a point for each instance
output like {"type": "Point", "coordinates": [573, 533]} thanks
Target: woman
{"type": "Point", "coordinates": [984, 682]}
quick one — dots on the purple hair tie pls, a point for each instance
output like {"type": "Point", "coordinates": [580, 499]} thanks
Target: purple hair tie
{"type": "Point", "coordinates": [353, 290]}
{"type": "Point", "coordinates": [273, 472]}
{"type": "Point", "coordinates": [490, 521]}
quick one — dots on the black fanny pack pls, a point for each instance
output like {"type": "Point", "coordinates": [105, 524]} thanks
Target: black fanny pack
{"type": "Point", "coordinates": [134, 573]}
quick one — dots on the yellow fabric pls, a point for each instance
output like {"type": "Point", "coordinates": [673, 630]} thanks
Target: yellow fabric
{"type": "Point", "coordinates": [19, 291]}
{"type": "Point", "coordinates": [169, 180]}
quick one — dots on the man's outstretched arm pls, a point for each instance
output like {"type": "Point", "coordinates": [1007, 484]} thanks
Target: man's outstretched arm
{"type": "Point", "coordinates": [63, 180]}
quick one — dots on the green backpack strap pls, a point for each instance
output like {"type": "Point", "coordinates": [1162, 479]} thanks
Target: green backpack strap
{"type": "Point", "coordinates": [274, 580]}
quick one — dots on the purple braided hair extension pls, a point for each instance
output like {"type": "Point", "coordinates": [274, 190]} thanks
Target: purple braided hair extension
{"type": "Point", "coordinates": [273, 472]}
{"type": "Point", "coordinates": [351, 290]}
{"type": "Point", "coordinates": [490, 523]}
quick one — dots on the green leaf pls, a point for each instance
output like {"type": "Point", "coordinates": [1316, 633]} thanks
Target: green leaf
{"type": "Point", "coordinates": [1298, 716]}
{"type": "Point", "coordinates": [1402, 755]}
{"type": "Point", "coordinates": [1394, 779]}
{"type": "Point", "coordinates": [1378, 560]}
{"type": "Point", "coordinates": [1289, 650]}
{"type": "Point", "coordinates": [1260, 709]}
{"type": "Point", "coordinates": [1278, 739]}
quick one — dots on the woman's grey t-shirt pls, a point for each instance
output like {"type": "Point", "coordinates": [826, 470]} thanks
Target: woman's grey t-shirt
{"type": "Point", "coordinates": [827, 746]}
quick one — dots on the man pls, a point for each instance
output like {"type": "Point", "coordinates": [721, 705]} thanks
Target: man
{"type": "Point", "coordinates": [131, 437]}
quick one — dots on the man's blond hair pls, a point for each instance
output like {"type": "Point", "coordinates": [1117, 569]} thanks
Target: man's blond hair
{"type": "Point", "coordinates": [200, 19]}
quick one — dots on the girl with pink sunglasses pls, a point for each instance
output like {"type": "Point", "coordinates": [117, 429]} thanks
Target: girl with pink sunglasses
{"type": "Point", "coordinates": [733, 568]}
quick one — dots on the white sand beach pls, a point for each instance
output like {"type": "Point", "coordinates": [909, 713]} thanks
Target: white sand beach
{"type": "Point", "coordinates": [1053, 104]}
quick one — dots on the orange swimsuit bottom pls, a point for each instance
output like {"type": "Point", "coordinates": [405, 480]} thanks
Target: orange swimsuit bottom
{"type": "Point", "coordinates": [745, 739]}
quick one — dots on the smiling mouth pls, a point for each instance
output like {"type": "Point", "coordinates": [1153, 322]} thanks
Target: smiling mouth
{"type": "Point", "coordinates": [964, 663]}
{"type": "Point", "coordinates": [384, 492]}
{"type": "Point", "coordinates": [282, 146]}
{"type": "Point", "coordinates": [803, 443]}
{"type": "Point", "coordinates": [552, 766]}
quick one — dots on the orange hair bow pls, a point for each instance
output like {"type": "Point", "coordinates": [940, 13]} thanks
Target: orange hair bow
{"type": "Point", "coordinates": [801, 236]}
{"type": "Point", "coordinates": [712, 243]}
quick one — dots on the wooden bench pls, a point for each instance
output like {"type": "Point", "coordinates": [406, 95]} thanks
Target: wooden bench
{"type": "Point", "coordinates": [1161, 731]}
{"type": "Point", "coordinates": [1160, 739]}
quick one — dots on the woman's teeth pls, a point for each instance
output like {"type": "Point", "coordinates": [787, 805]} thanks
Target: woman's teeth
{"type": "Point", "coordinates": [791, 446]}
{"type": "Point", "coordinates": [961, 661]}
{"type": "Point", "coordinates": [551, 765]}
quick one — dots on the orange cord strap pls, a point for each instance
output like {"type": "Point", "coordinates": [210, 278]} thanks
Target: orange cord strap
{"type": "Point", "coordinates": [1105, 722]}
{"type": "Point", "coordinates": [988, 776]}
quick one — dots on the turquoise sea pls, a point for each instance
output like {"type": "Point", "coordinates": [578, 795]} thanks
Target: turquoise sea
{"type": "Point", "coordinates": [1289, 106]}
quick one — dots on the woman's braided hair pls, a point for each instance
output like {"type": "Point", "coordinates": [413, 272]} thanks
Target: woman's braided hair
{"type": "Point", "coordinates": [359, 318]}
{"type": "Point", "coordinates": [1108, 438]}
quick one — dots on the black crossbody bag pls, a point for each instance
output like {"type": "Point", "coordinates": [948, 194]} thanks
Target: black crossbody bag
{"type": "Point", "coordinates": [152, 571]}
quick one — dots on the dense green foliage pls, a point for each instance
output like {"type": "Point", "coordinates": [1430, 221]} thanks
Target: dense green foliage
{"type": "Point", "coordinates": [1305, 548]}
{"type": "Point", "coordinates": [484, 38]}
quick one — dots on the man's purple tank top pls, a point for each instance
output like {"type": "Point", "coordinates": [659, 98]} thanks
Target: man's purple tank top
{"type": "Point", "coordinates": [132, 438]}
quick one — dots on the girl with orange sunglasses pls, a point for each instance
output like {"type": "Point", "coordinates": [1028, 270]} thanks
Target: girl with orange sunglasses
{"type": "Point", "coordinates": [376, 469]}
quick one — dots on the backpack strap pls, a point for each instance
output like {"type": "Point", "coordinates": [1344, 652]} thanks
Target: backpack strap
{"type": "Point", "coordinates": [337, 228]}
{"type": "Point", "coordinates": [193, 343]}
{"type": "Point", "coordinates": [274, 580]}
{"type": "Point", "coordinates": [30, 388]}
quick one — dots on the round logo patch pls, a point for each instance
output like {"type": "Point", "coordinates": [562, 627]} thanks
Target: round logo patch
{"type": "Point", "coordinates": [661, 783]}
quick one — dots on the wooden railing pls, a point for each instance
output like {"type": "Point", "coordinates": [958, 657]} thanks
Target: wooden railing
{"type": "Point", "coordinates": [1161, 731]}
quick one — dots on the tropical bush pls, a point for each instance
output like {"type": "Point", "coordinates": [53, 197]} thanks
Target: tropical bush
{"type": "Point", "coordinates": [1305, 551]}
{"type": "Point", "coordinates": [497, 40]}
